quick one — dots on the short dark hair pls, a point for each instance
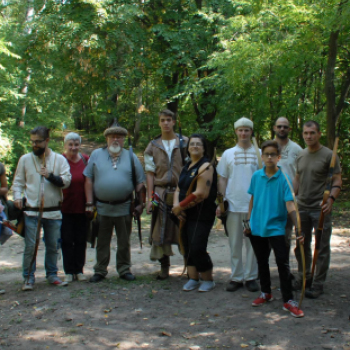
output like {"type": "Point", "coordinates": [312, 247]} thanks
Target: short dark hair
{"type": "Point", "coordinates": [43, 131]}
{"type": "Point", "coordinates": [168, 113]}
{"type": "Point", "coordinates": [271, 143]}
{"type": "Point", "coordinates": [311, 123]}
{"type": "Point", "coordinates": [204, 143]}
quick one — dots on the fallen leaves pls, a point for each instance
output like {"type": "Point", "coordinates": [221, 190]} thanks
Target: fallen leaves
{"type": "Point", "coordinates": [164, 333]}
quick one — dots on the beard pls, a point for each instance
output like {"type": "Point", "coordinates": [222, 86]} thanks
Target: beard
{"type": "Point", "coordinates": [39, 151]}
{"type": "Point", "coordinates": [282, 137]}
{"type": "Point", "coordinates": [114, 149]}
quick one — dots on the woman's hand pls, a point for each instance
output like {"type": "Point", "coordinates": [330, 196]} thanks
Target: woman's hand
{"type": "Point", "coordinates": [177, 210]}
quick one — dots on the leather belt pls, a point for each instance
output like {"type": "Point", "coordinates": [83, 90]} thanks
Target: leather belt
{"type": "Point", "coordinates": [115, 202]}
{"type": "Point", "coordinates": [44, 210]}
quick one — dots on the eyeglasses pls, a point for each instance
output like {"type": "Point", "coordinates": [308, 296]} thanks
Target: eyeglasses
{"type": "Point", "coordinates": [116, 137]}
{"type": "Point", "coordinates": [270, 155]}
{"type": "Point", "coordinates": [282, 127]}
{"type": "Point", "coordinates": [195, 144]}
{"type": "Point", "coordinates": [36, 142]}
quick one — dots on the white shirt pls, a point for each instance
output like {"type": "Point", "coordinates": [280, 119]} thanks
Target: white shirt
{"type": "Point", "coordinates": [149, 162]}
{"type": "Point", "coordinates": [289, 155]}
{"type": "Point", "coordinates": [27, 181]}
{"type": "Point", "coordinates": [238, 165]}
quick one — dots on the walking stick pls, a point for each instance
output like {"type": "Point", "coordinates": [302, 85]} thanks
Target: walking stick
{"type": "Point", "coordinates": [38, 228]}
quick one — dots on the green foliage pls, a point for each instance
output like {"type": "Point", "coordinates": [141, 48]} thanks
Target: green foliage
{"type": "Point", "coordinates": [213, 61]}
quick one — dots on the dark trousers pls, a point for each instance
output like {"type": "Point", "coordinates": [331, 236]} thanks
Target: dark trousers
{"type": "Point", "coordinates": [309, 221]}
{"type": "Point", "coordinates": [195, 236]}
{"type": "Point", "coordinates": [262, 249]}
{"type": "Point", "coordinates": [73, 234]}
{"type": "Point", "coordinates": [123, 226]}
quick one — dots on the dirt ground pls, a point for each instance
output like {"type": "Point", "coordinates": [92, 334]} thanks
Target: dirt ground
{"type": "Point", "coordinates": [150, 314]}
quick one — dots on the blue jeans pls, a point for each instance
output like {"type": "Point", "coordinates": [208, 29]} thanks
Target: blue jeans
{"type": "Point", "coordinates": [52, 239]}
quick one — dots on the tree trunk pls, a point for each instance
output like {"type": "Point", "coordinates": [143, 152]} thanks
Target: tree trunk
{"type": "Point", "coordinates": [24, 89]}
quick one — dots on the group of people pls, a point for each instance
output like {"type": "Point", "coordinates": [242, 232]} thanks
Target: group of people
{"type": "Point", "coordinates": [181, 190]}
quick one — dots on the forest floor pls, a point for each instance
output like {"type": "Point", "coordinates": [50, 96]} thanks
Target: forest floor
{"type": "Point", "coordinates": [151, 314]}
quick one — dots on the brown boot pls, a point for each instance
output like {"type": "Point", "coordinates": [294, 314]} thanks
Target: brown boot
{"type": "Point", "coordinates": [164, 268]}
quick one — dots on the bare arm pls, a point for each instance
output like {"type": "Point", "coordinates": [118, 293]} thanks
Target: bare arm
{"type": "Point", "coordinates": [150, 187]}
{"type": "Point", "coordinates": [248, 231]}
{"type": "Point", "coordinates": [89, 190]}
{"type": "Point", "coordinates": [222, 184]}
{"type": "Point", "coordinates": [296, 183]}
{"type": "Point", "coordinates": [204, 183]}
{"type": "Point", "coordinates": [335, 190]}
{"type": "Point", "coordinates": [4, 189]}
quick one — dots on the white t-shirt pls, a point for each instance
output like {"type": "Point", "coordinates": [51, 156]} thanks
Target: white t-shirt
{"type": "Point", "coordinates": [289, 155]}
{"type": "Point", "coordinates": [238, 165]}
{"type": "Point", "coordinates": [168, 147]}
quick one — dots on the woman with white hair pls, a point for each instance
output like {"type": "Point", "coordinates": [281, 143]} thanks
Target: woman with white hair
{"type": "Point", "coordinates": [74, 221]}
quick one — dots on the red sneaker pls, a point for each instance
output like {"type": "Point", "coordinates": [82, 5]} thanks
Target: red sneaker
{"type": "Point", "coordinates": [292, 307]}
{"type": "Point", "coordinates": [264, 298]}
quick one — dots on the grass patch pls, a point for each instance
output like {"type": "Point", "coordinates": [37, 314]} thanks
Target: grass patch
{"type": "Point", "coordinates": [7, 269]}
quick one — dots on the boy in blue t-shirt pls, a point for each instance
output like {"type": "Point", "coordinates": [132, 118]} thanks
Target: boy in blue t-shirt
{"type": "Point", "coordinates": [270, 204]}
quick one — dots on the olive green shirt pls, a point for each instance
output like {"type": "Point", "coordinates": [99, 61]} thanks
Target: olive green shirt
{"type": "Point", "coordinates": [313, 168]}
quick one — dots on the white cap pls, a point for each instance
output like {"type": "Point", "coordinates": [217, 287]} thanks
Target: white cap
{"type": "Point", "coordinates": [244, 122]}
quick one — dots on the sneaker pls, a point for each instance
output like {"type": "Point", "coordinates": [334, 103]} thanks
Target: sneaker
{"type": "Point", "coordinates": [292, 307]}
{"type": "Point", "coordinates": [28, 287]}
{"type": "Point", "coordinates": [2, 291]}
{"type": "Point", "coordinates": [297, 284]}
{"type": "Point", "coordinates": [206, 286]}
{"type": "Point", "coordinates": [68, 278]}
{"type": "Point", "coordinates": [96, 278]}
{"type": "Point", "coordinates": [191, 285]}
{"type": "Point", "coordinates": [128, 276]}
{"type": "Point", "coordinates": [56, 281]}
{"type": "Point", "coordinates": [252, 286]}
{"type": "Point", "coordinates": [264, 298]}
{"type": "Point", "coordinates": [232, 286]}
{"type": "Point", "coordinates": [313, 293]}
{"type": "Point", "coordinates": [81, 277]}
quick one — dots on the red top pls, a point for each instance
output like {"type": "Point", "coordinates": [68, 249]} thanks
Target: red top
{"type": "Point", "coordinates": [74, 196]}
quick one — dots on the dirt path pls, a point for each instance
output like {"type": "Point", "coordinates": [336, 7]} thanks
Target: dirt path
{"type": "Point", "coordinates": [150, 314]}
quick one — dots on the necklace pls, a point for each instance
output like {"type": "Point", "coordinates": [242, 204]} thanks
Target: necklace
{"type": "Point", "coordinates": [114, 162]}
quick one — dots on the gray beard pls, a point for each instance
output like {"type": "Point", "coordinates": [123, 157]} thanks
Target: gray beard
{"type": "Point", "coordinates": [114, 149]}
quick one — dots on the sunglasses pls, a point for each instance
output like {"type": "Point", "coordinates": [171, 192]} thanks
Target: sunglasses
{"type": "Point", "coordinates": [282, 127]}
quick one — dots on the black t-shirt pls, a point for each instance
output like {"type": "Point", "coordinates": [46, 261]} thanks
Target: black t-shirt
{"type": "Point", "coordinates": [205, 210]}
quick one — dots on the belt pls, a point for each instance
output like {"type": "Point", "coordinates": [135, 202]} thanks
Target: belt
{"type": "Point", "coordinates": [169, 188]}
{"type": "Point", "coordinates": [115, 202]}
{"type": "Point", "coordinates": [44, 210]}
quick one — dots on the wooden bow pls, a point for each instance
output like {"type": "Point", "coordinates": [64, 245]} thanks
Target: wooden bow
{"type": "Point", "coordinates": [326, 193]}
{"type": "Point", "coordinates": [299, 234]}
{"type": "Point", "coordinates": [40, 216]}
{"type": "Point", "coordinates": [189, 191]}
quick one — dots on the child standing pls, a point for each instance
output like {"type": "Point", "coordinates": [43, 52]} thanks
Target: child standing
{"type": "Point", "coordinates": [271, 202]}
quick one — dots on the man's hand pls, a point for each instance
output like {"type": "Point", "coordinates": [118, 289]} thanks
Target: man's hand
{"type": "Point", "coordinates": [19, 204]}
{"type": "Point", "coordinates": [247, 232]}
{"type": "Point", "coordinates": [327, 207]}
{"type": "Point", "coordinates": [138, 210]}
{"type": "Point", "coordinates": [301, 239]}
{"type": "Point", "coordinates": [149, 208]}
{"type": "Point", "coordinates": [89, 211]}
{"type": "Point", "coordinates": [44, 172]}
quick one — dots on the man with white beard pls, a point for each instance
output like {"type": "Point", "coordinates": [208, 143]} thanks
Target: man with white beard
{"type": "Point", "coordinates": [109, 186]}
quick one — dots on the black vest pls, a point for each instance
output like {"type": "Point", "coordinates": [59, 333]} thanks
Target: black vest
{"type": "Point", "coordinates": [205, 210]}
